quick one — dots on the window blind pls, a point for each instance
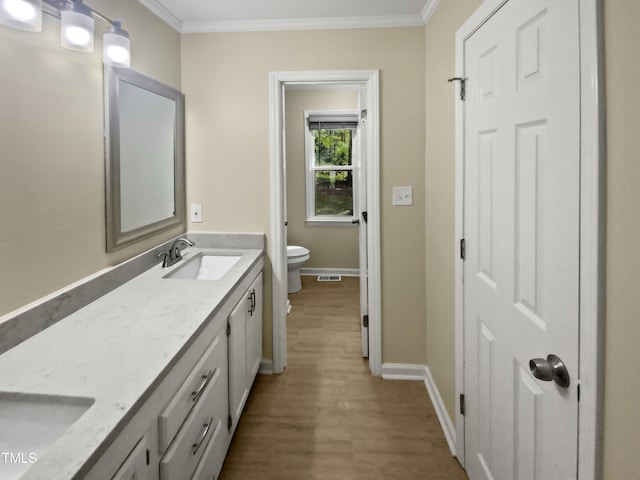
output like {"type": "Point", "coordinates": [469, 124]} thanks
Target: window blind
{"type": "Point", "coordinates": [320, 121]}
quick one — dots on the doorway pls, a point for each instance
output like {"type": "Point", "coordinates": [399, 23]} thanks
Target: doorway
{"type": "Point", "coordinates": [529, 210]}
{"type": "Point", "coordinates": [367, 83]}
{"type": "Point", "coordinates": [322, 162]}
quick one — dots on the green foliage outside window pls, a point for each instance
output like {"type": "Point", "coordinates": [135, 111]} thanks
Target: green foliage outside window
{"type": "Point", "coordinates": [333, 147]}
{"type": "Point", "coordinates": [333, 188]}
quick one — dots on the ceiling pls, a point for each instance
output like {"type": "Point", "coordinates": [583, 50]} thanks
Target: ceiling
{"type": "Point", "coordinates": [189, 16]}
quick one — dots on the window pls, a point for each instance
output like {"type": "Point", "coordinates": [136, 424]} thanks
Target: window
{"type": "Point", "coordinates": [331, 174]}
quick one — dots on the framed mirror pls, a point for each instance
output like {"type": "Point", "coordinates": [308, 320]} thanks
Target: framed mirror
{"type": "Point", "coordinates": [144, 153]}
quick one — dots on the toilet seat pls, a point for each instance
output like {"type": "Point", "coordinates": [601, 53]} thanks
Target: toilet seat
{"type": "Point", "coordinates": [294, 251]}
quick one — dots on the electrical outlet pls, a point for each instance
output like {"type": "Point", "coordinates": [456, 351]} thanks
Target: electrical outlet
{"type": "Point", "coordinates": [402, 196]}
{"type": "Point", "coordinates": [196, 213]}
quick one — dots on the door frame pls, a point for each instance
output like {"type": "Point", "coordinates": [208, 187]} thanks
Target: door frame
{"type": "Point", "coordinates": [278, 243]}
{"type": "Point", "coordinates": [592, 233]}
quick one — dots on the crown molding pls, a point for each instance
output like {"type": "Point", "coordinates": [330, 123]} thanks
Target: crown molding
{"type": "Point", "coordinates": [428, 10]}
{"type": "Point", "coordinates": [304, 24]}
{"type": "Point", "coordinates": [329, 23]}
{"type": "Point", "coordinates": [164, 14]}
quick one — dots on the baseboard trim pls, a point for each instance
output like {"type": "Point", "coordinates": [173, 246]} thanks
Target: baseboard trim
{"type": "Point", "coordinates": [405, 371]}
{"type": "Point", "coordinates": [345, 272]}
{"type": "Point", "coordinates": [447, 425]}
{"type": "Point", "coordinates": [266, 367]}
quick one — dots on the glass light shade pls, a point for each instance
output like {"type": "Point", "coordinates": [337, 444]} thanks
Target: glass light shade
{"type": "Point", "coordinates": [76, 30]}
{"type": "Point", "coordinates": [116, 47]}
{"type": "Point", "coordinates": [22, 14]}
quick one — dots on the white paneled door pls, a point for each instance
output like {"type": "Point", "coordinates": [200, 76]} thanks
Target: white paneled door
{"type": "Point", "coordinates": [521, 228]}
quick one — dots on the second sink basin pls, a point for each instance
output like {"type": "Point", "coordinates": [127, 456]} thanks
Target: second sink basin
{"type": "Point", "coordinates": [205, 266]}
{"type": "Point", "coordinates": [30, 424]}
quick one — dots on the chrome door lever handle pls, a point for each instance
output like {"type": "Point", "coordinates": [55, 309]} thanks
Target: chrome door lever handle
{"type": "Point", "coordinates": [550, 369]}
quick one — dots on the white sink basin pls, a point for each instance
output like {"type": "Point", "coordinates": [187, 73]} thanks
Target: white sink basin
{"type": "Point", "coordinates": [30, 424]}
{"type": "Point", "coordinates": [205, 266]}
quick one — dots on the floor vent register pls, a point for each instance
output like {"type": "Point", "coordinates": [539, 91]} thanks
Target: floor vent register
{"type": "Point", "coordinates": [329, 278]}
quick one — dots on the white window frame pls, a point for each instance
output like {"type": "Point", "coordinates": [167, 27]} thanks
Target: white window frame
{"type": "Point", "coordinates": [311, 168]}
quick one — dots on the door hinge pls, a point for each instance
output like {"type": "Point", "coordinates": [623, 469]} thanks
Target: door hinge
{"type": "Point", "coordinates": [463, 249]}
{"type": "Point", "coordinates": [364, 216]}
{"type": "Point", "coordinates": [578, 392]}
{"type": "Point", "coordinates": [365, 321]}
{"type": "Point", "coordinates": [463, 82]}
{"type": "Point", "coordinates": [229, 423]}
{"type": "Point", "coordinates": [462, 408]}
{"type": "Point", "coordinates": [228, 329]}
{"type": "Point", "coordinates": [148, 459]}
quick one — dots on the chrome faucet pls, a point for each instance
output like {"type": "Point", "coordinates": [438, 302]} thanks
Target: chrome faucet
{"type": "Point", "coordinates": [174, 254]}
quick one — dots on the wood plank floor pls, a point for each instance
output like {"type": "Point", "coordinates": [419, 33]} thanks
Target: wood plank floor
{"type": "Point", "coordinates": [326, 417]}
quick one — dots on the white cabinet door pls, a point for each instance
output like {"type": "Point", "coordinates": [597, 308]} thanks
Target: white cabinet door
{"type": "Point", "coordinates": [245, 347]}
{"type": "Point", "coordinates": [238, 390]}
{"type": "Point", "coordinates": [254, 330]}
{"type": "Point", "coordinates": [135, 466]}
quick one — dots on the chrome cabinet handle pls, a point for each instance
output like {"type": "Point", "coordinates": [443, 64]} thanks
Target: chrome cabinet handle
{"type": "Point", "coordinates": [205, 381]}
{"type": "Point", "coordinates": [550, 369]}
{"type": "Point", "coordinates": [205, 432]}
{"type": "Point", "coordinates": [252, 302]}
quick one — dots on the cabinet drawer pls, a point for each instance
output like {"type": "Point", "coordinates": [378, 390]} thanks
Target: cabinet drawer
{"type": "Point", "coordinates": [213, 457]}
{"type": "Point", "coordinates": [169, 421]}
{"type": "Point", "coordinates": [208, 418]}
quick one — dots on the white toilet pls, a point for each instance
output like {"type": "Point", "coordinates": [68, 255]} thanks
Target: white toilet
{"type": "Point", "coordinates": [296, 257]}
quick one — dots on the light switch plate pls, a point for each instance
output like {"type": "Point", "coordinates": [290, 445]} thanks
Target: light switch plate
{"type": "Point", "coordinates": [196, 213]}
{"type": "Point", "coordinates": [402, 196]}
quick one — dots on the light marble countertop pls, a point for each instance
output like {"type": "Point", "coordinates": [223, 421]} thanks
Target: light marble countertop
{"type": "Point", "coordinates": [115, 350]}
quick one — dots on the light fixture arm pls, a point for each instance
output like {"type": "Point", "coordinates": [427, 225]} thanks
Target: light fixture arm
{"type": "Point", "coordinates": [59, 5]}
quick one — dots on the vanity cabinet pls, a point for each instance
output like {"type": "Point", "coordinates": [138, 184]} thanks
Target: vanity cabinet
{"type": "Point", "coordinates": [184, 426]}
{"type": "Point", "coordinates": [244, 328]}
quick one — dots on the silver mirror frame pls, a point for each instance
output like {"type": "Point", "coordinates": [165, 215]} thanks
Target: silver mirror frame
{"type": "Point", "coordinates": [116, 238]}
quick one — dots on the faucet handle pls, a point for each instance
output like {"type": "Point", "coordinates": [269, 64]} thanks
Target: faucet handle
{"type": "Point", "coordinates": [166, 256]}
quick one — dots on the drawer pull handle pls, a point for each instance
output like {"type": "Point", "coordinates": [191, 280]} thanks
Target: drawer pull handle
{"type": "Point", "coordinates": [205, 432]}
{"type": "Point", "coordinates": [252, 302]}
{"type": "Point", "coordinates": [205, 381]}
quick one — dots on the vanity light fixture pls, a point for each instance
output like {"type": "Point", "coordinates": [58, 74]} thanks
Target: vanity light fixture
{"type": "Point", "coordinates": [22, 14]}
{"type": "Point", "coordinates": [116, 46]}
{"type": "Point", "coordinates": [76, 26]}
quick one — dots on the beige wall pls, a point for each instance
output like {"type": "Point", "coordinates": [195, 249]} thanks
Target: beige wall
{"type": "Point", "coordinates": [622, 377]}
{"type": "Point", "coordinates": [440, 192]}
{"type": "Point", "coordinates": [52, 207]}
{"type": "Point", "coordinates": [225, 78]}
{"type": "Point", "coordinates": [622, 324]}
{"type": "Point", "coordinates": [330, 246]}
